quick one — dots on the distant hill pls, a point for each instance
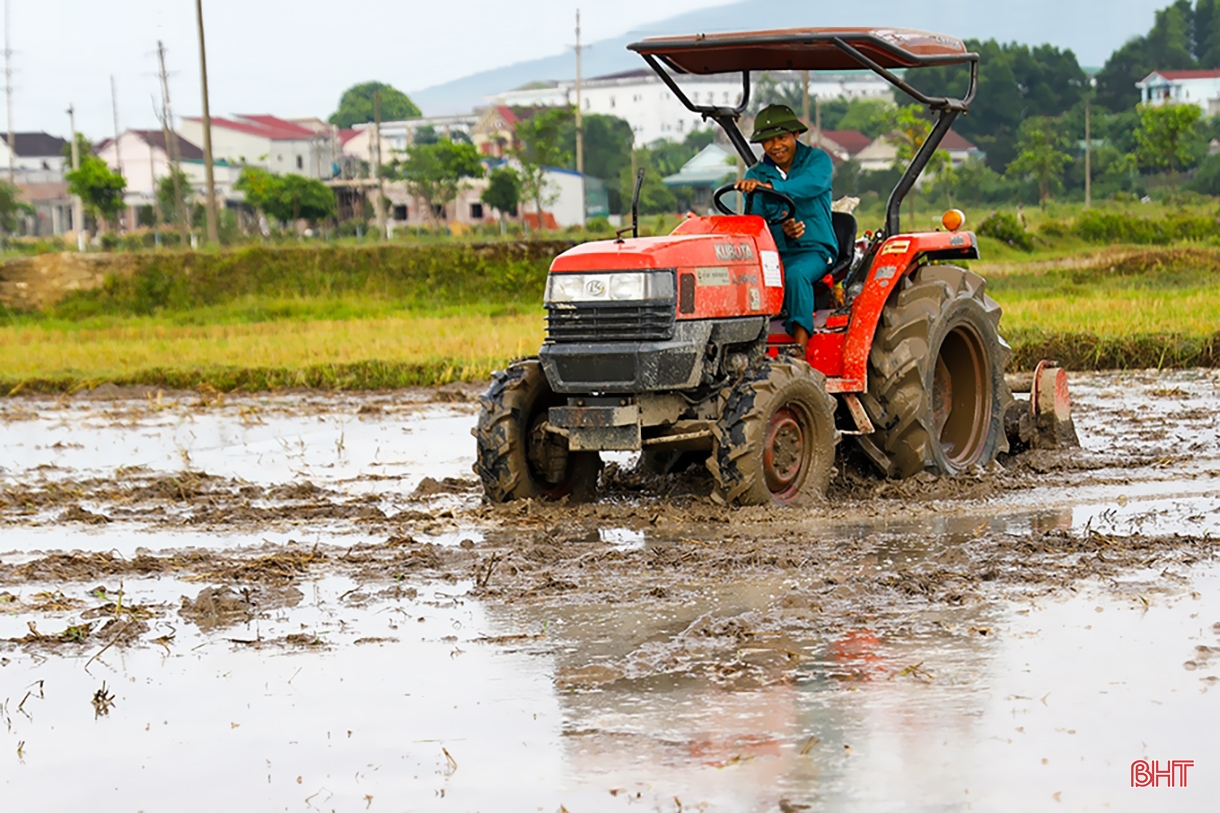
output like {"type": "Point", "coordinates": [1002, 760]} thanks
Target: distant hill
{"type": "Point", "coordinates": [1091, 28]}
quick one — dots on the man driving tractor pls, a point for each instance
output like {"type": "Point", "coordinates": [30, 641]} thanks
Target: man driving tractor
{"type": "Point", "coordinates": [806, 242]}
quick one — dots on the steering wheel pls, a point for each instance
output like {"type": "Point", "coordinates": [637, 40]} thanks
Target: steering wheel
{"type": "Point", "coordinates": [780, 196]}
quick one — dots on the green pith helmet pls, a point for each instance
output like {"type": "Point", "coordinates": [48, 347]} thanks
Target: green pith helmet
{"type": "Point", "coordinates": [774, 120]}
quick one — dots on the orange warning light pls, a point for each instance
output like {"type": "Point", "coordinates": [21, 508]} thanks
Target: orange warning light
{"type": "Point", "coordinates": [953, 219]}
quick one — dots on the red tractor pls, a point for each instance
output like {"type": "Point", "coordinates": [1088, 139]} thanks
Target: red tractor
{"type": "Point", "coordinates": [672, 346]}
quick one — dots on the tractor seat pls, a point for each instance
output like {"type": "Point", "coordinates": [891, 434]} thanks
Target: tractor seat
{"type": "Point", "coordinates": [844, 226]}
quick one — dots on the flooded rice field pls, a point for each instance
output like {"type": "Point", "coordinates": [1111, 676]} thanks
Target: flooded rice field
{"type": "Point", "coordinates": [299, 602]}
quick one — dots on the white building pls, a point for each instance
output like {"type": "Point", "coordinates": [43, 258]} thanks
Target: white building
{"type": "Point", "coordinates": [1200, 88]}
{"type": "Point", "coordinates": [35, 154]}
{"type": "Point", "coordinates": [648, 105]}
{"type": "Point", "coordinates": [143, 160]}
{"type": "Point", "coordinates": [38, 172]}
{"type": "Point", "coordinates": [882, 154]}
{"type": "Point", "coordinates": [274, 144]}
{"type": "Point", "coordinates": [397, 136]}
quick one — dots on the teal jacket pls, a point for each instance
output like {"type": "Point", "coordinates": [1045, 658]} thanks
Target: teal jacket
{"type": "Point", "coordinates": [808, 184]}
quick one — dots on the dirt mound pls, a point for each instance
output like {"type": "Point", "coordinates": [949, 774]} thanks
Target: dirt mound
{"type": "Point", "coordinates": [216, 607]}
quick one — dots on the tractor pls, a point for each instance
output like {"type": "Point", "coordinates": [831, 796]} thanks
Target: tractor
{"type": "Point", "coordinates": [673, 346]}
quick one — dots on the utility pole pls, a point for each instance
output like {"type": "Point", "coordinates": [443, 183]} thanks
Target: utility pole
{"type": "Point", "coordinates": [379, 205]}
{"type": "Point", "coordinates": [580, 130]}
{"type": "Point", "coordinates": [817, 120]}
{"type": "Point", "coordinates": [805, 98]}
{"type": "Point", "coordinates": [213, 236]}
{"type": "Point", "coordinates": [171, 149]}
{"type": "Point", "coordinates": [8, 91]}
{"type": "Point", "coordinates": [114, 107]}
{"type": "Point", "coordinates": [1088, 158]}
{"type": "Point", "coordinates": [78, 206]}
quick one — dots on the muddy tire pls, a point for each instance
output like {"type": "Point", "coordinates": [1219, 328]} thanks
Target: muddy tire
{"type": "Point", "coordinates": [515, 458]}
{"type": "Point", "coordinates": [936, 390]}
{"type": "Point", "coordinates": [775, 440]}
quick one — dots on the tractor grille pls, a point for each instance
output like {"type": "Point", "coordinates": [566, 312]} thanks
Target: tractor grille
{"type": "Point", "coordinates": [650, 322]}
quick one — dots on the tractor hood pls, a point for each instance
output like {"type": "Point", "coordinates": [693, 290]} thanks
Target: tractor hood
{"type": "Point", "coordinates": [697, 242]}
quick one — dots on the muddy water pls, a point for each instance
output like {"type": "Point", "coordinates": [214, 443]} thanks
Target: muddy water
{"type": "Point", "coordinates": [1008, 643]}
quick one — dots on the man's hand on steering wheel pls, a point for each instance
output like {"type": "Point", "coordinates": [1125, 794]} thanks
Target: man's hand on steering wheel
{"type": "Point", "coordinates": [748, 185]}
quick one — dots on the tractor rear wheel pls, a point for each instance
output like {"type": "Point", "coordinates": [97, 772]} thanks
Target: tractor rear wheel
{"type": "Point", "coordinates": [516, 457]}
{"type": "Point", "coordinates": [775, 440]}
{"type": "Point", "coordinates": [936, 390]}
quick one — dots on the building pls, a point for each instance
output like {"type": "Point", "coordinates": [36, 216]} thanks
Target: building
{"type": "Point", "coordinates": [274, 144]}
{"type": "Point", "coordinates": [141, 157]}
{"type": "Point", "coordinates": [882, 154]}
{"type": "Point", "coordinates": [398, 136]}
{"type": "Point", "coordinates": [38, 173]}
{"type": "Point", "coordinates": [647, 104]}
{"type": "Point", "coordinates": [38, 157]}
{"type": "Point", "coordinates": [711, 168]}
{"type": "Point", "coordinates": [1200, 88]}
{"type": "Point", "coordinates": [842, 145]}
{"type": "Point", "coordinates": [495, 130]}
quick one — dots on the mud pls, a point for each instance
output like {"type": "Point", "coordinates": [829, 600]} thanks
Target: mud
{"type": "Point", "coordinates": [652, 648]}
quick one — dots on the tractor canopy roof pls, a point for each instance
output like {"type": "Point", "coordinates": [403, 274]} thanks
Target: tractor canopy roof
{"type": "Point", "coordinates": [815, 49]}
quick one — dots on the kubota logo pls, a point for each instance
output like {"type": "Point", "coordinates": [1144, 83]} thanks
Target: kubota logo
{"type": "Point", "coordinates": [727, 252]}
{"type": "Point", "coordinates": [595, 287]}
{"type": "Point", "coordinates": [1145, 774]}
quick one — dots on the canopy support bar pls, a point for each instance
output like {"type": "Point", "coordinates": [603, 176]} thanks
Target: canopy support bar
{"type": "Point", "coordinates": [948, 109]}
{"type": "Point", "coordinates": [726, 117]}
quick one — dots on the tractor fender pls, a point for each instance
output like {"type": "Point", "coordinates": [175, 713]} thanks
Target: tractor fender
{"type": "Point", "coordinates": [896, 258]}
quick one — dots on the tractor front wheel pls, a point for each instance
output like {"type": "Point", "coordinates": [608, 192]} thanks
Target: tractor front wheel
{"type": "Point", "coordinates": [517, 458]}
{"type": "Point", "coordinates": [936, 390]}
{"type": "Point", "coordinates": [775, 440]}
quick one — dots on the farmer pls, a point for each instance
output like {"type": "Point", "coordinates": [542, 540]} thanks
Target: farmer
{"type": "Point", "coordinates": [806, 242]}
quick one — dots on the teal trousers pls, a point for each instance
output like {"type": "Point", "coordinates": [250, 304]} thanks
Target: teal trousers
{"type": "Point", "coordinates": [801, 270]}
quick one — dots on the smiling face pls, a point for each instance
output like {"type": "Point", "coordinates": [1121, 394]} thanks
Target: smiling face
{"type": "Point", "coordinates": [781, 149]}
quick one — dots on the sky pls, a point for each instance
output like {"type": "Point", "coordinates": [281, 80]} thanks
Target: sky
{"type": "Point", "coordinates": [284, 57]}
{"type": "Point", "coordinates": [295, 57]}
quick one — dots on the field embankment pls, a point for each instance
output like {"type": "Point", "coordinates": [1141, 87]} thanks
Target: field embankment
{"type": "Point", "coordinates": [390, 316]}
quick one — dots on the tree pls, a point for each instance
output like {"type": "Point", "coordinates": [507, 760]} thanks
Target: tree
{"type": "Point", "coordinates": [912, 129]}
{"type": "Point", "coordinates": [1206, 31]}
{"type": "Point", "coordinates": [167, 198]}
{"type": "Point", "coordinates": [608, 142]}
{"type": "Point", "coordinates": [541, 146]}
{"type": "Point", "coordinates": [1170, 45]}
{"type": "Point", "coordinates": [1168, 136]}
{"type": "Point", "coordinates": [425, 135]}
{"type": "Point", "coordinates": [435, 173]}
{"type": "Point", "coordinates": [873, 117]}
{"type": "Point", "coordinates": [11, 208]}
{"type": "Point", "coordinates": [1207, 178]}
{"type": "Point", "coordinates": [286, 198]}
{"type": "Point", "coordinates": [356, 105]}
{"type": "Point", "coordinates": [503, 191]}
{"type": "Point", "coordinates": [100, 190]}
{"type": "Point", "coordinates": [1040, 155]}
{"type": "Point", "coordinates": [1015, 82]}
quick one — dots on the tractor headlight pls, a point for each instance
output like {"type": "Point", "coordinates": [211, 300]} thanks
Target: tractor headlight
{"type": "Point", "coordinates": [619, 286]}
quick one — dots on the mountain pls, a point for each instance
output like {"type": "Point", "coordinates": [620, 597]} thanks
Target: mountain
{"type": "Point", "coordinates": [1091, 28]}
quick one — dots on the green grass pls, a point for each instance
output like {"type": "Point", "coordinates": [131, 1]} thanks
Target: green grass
{"type": "Point", "coordinates": [267, 319]}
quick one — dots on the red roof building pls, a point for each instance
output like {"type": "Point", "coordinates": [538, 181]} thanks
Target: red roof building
{"type": "Point", "coordinates": [275, 144]}
{"type": "Point", "coordinates": [1198, 87]}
